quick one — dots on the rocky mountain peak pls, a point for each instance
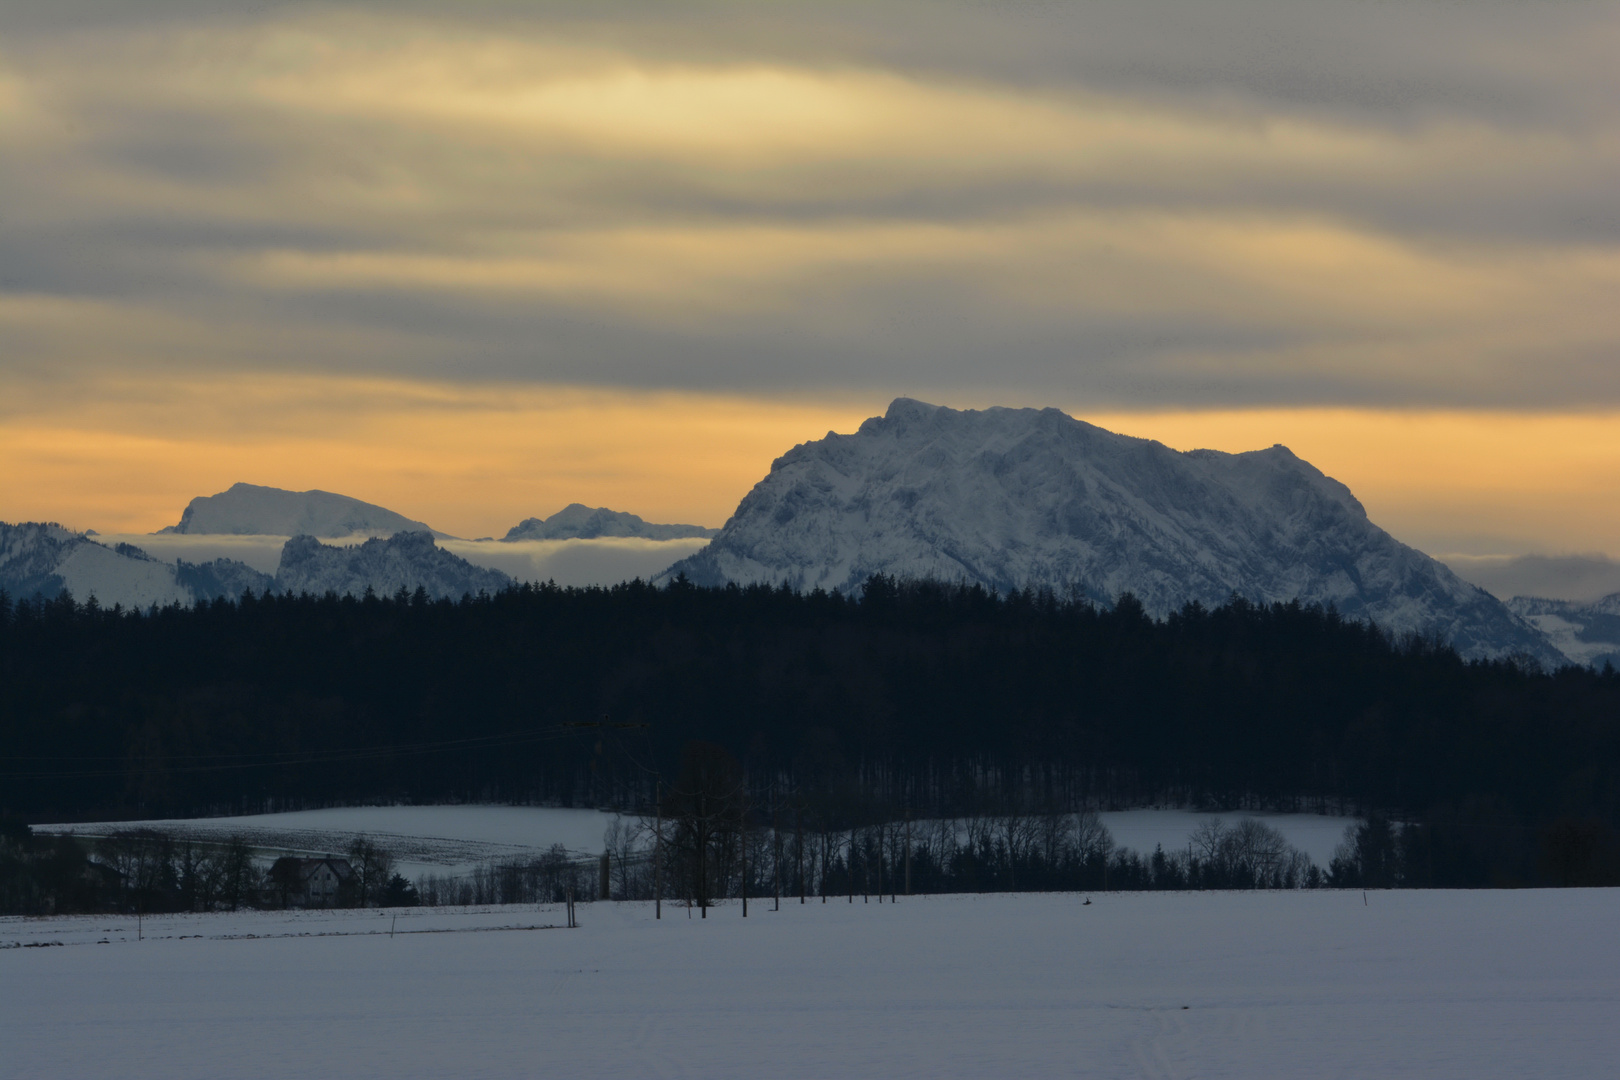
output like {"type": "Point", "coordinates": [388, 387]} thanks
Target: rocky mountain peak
{"type": "Point", "coordinates": [1013, 498]}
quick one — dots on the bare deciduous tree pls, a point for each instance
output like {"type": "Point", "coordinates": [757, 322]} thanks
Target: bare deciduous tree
{"type": "Point", "coordinates": [705, 810]}
{"type": "Point", "coordinates": [372, 866]}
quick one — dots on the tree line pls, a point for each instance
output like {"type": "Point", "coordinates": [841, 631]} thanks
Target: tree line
{"type": "Point", "coordinates": [149, 870]}
{"type": "Point", "coordinates": [673, 857]}
{"type": "Point", "coordinates": [937, 700]}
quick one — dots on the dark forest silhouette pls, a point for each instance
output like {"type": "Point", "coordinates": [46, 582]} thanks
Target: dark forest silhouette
{"type": "Point", "coordinates": [917, 697]}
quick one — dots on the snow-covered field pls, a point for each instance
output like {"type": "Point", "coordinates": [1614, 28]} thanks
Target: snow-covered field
{"type": "Point", "coordinates": [1481, 984]}
{"type": "Point", "coordinates": [454, 839]}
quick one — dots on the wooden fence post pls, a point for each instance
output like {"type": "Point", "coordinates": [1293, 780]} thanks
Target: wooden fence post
{"type": "Point", "coordinates": [658, 851]}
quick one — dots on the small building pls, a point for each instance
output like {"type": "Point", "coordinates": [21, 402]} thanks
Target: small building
{"type": "Point", "coordinates": [319, 882]}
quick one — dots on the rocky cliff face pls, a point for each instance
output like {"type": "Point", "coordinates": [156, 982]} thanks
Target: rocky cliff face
{"type": "Point", "coordinates": [1015, 498]}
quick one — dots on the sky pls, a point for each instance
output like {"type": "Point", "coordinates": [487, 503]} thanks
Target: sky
{"type": "Point", "coordinates": [475, 261]}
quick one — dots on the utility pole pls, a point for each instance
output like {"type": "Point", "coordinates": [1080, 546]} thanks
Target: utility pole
{"type": "Point", "coordinates": [880, 864]}
{"type": "Point", "coordinates": [744, 834]}
{"type": "Point", "coordinates": [776, 857]}
{"type": "Point", "coordinates": [596, 761]}
{"type": "Point", "coordinates": [798, 828]}
{"type": "Point", "coordinates": [849, 864]}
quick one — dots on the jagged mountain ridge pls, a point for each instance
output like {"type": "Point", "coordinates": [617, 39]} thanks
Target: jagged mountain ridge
{"type": "Point", "coordinates": [254, 510]}
{"type": "Point", "coordinates": [406, 560]}
{"type": "Point", "coordinates": [48, 560]}
{"type": "Point", "coordinates": [1586, 632]}
{"type": "Point", "coordinates": [44, 558]}
{"type": "Point", "coordinates": [226, 578]}
{"type": "Point", "coordinates": [576, 521]}
{"type": "Point", "coordinates": [1010, 498]}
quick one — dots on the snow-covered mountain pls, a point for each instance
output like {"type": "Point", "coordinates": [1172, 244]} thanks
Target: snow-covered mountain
{"type": "Point", "coordinates": [46, 559]}
{"type": "Point", "coordinates": [406, 560]}
{"type": "Point", "coordinates": [1010, 498]}
{"type": "Point", "coordinates": [248, 509]}
{"type": "Point", "coordinates": [576, 521]}
{"type": "Point", "coordinates": [1587, 633]}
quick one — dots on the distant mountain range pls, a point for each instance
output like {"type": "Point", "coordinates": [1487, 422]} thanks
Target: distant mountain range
{"type": "Point", "coordinates": [253, 510]}
{"type": "Point", "coordinates": [48, 560]}
{"type": "Point", "coordinates": [576, 521]}
{"type": "Point", "coordinates": [1016, 498]}
{"type": "Point", "coordinates": [406, 560]}
{"type": "Point", "coordinates": [400, 553]}
{"type": "Point", "coordinates": [249, 509]}
{"type": "Point", "coordinates": [1587, 633]}
{"type": "Point", "coordinates": [1004, 498]}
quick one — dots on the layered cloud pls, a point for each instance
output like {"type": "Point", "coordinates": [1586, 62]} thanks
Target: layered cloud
{"type": "Point", "coordinates": [1143, 204]}
{"type": "Point", "coordinates": [476, 261]}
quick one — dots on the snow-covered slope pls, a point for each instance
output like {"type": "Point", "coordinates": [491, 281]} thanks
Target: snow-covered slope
{"type": "Point", "coordinates": [1587, 633]}
{"type": "Point", "coordinates": [407, 560]}
{"type": "Point", "coordinates": [226, 578]}
{"type": "Point", "coordinates": [1010, 498]}
{"type": "Point", "coordinates": [248, 509]}
{"type": "Point", "coordinates": [46, 559]}
{"type": "Point", "coordinates": [30, 552]}
{"type": "Point", "coordinates": [125, 575]}
{"type": "Point", "coordinates": [576, 521]}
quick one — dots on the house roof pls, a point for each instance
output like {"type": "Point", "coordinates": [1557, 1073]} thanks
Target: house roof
{"type": "Point", "coordinates": [307, 867]}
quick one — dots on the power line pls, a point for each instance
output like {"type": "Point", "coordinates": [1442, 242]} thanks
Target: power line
{"type": "Point", "coordinates": [285, 758]}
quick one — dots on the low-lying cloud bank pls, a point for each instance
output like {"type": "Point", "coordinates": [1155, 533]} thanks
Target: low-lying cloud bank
{"type": "Point", "coordinates": [609, 561]}
{"type": "Point", "coordinates": [575, 562]}
{"type": "Point", "coordinates": [567, 562]}
{"type": "Point", "coordinates": [1556, 577]}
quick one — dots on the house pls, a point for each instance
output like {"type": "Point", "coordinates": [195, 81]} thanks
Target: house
{"type": "Point", "coordinates": [320, 882]}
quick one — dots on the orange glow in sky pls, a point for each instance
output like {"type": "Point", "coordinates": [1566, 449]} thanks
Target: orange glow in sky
{"type": "Point", "coordinates": [438, 258]}
{"type": "Point", "coordinates": [475, 461]}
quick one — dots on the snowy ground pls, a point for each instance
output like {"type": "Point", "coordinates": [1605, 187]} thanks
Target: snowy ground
{"type": "Point", "coordinates": [454, 839]}
{"type": "Point", "coordinates": [1318, 984]}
